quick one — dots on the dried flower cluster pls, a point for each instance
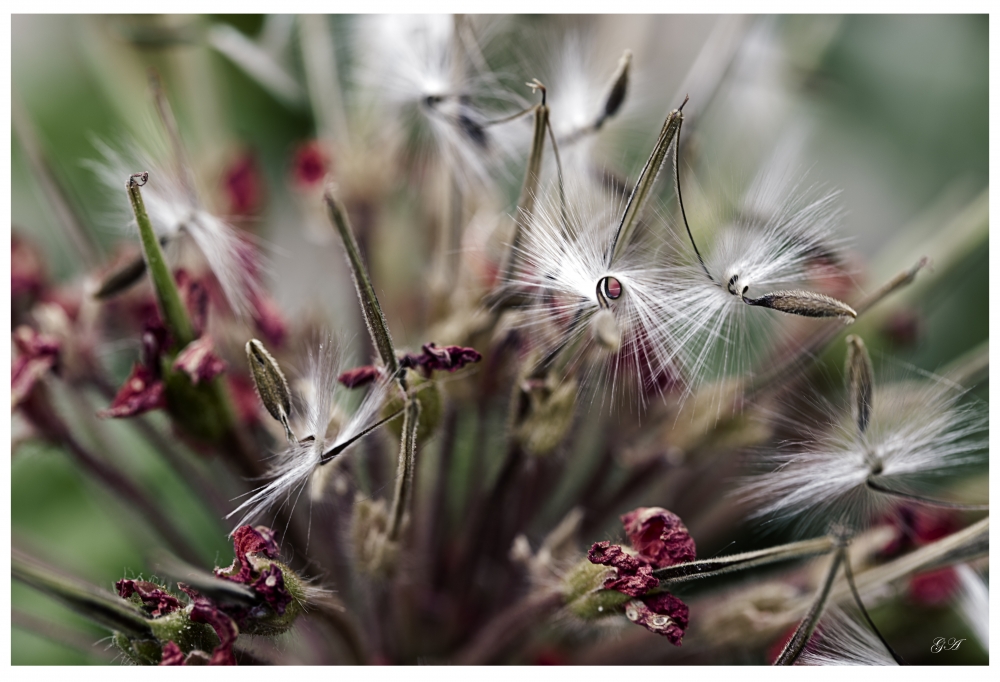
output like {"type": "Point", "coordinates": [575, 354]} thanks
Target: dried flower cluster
{"type": "Point", "coordinates": [534, 337]}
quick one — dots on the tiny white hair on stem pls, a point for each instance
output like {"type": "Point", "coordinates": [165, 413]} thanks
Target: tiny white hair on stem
{"type": "Point", "coordinates": [919, 433]}
{"type": "Point", "coordinates": [293, 466]}
{"type": "Point", "coordinates": [421, 72]}
{"type": "Point", "coordinates": [842, 639]}
{"type": "Point", "coordinates": [232, 256]}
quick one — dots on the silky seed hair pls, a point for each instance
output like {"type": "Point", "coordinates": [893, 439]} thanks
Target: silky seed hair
{"type": "Point", "coordinates": [429, 72]}
{"type": "Point", "coordinates": [292, 467]}
{"type": "Point", "coordinates": [231, 255]}
{"type": "Point", "coordinates": [920, 434]}
{"type": "Point", "coordinates": [578, 301]}
{"type": "Point", "coordinates": [775, 247]}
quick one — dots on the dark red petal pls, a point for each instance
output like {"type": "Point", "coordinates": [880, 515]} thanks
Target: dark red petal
{"type": "Point", "coordinates": [242, 183]}
{"type": "Point", "coordinates": [662, 613]}
{"type": "Point", "coordinates": [248, 540]}
{"type": "Point", "coordinates": [934, 588]}
{"type": "Point", "coordinates": [37, 355]}
{"type": "Point", "coordinates": [359, 376]}
{"type": "Point", "coordinates": [659, 536]}
{"type": "Point", "coordinates": [172, 654]}
{"type": "Point", "coordinates": [612, 555]}
{"type": "Point", "coordinates": [155, 600]}
{"type": "Point", "coordinates": [267, 316]}
{"type": "Point", "coordinates": [271, 586]}
{"type": "Point", "coordinates": [204, 610]}
{"type": "Point", "coordinates": [141, 392]}
{"type": "Point", "coordinates": [199, 361]}
{"type": "Point", "coordinates": [633, 584]}
{"type": "Point", "coordinates": [309, 165]}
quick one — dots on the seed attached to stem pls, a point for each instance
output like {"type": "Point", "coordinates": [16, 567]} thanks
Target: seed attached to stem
{"type": "Point", "coordinates": [272, 389]}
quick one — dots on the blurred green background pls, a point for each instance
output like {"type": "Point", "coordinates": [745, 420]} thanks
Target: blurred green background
{"type": "Point", "coordinates": [897, 113]}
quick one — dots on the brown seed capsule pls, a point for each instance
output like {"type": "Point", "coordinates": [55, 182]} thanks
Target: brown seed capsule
{"type": "Point", "coordinates": [272, 389]}
{"type": "Point", "coordinates": [805, 303]}
{"type": "Point", "coordinates": [860, 381]}
{"type": "Point", "coordinates": [619, 89]}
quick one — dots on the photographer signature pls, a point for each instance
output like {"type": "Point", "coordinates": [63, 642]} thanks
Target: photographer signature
{"type": "Point", "coordinates": [942, 644]}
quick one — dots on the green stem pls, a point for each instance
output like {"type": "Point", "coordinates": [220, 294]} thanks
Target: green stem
{"type": "Point", "coordinates": [404, 473]}
{"type": "Point", "coordinates": [374, 319]}
{"type": "Point", "coordinates": [167, 296]}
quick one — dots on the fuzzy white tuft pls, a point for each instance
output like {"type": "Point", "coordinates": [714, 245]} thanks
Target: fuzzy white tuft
{"type": "Point", "coordinates": [420, 69]}
{"type": "Point", "coordinates": [919, 432]}
{"type": "Point", "coordinates": [776, 237]}
{"type": "Point", "coordinates": [294, 466]}
{"type": "Point", "coordinates": [563, 269]}
{"type": "Point", "coordinates": [173, 211]}
{"type": "Point", "coordinates": [841, 639]}
{"type": "Point", "coordinates": [974, 603]}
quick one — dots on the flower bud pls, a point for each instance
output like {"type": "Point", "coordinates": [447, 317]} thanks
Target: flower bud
{"type": "Point", "coordinates": [586, 597]}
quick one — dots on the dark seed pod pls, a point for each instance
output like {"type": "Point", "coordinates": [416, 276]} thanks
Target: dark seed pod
{"type": "Point", "coordinates": [272, 389]}
{"type": "Point", "coordinates": [860, 381]}
{"type": "Point", "coordinates": [804, 303]}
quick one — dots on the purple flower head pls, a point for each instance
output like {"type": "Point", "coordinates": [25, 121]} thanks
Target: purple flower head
{"type": "Point", "coordinates": [271, 586]}
{"type": "Point", "coordinates": [155, 600]}
{"type": "Point", "coordinates": [634, 584]}
{"type": "Point", "coordinates": [659, 536]}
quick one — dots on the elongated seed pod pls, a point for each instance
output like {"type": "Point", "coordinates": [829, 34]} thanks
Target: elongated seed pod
{"type": "Point", "coordinates": [860, 381]}
{"type": "Point", "coordinates": [272, 389]}
{"type": "Point", "coordinates": [804, 303]}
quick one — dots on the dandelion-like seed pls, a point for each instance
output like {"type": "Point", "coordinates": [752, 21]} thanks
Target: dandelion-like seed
{"type": "Point", "coordinates": [774, 251]}
{"type": "Point", "coordinates": [841, 639]}
{"type": "Point", "coordinates": [175, 213]}
{"type": "Point", "coordinates": [893, 443]}
{"type": "Point", "coordinates": [310, 444]}
{"type": "Point", "coordinates": [581, 304]}
{"type": "Point", "coordinates": [430, 69]}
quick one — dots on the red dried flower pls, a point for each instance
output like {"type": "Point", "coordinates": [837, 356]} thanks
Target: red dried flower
{"type": "Point", "coordinates": [449, 358]}
{"type": "Point", "coordinates": [360, 376]}
{"type": "Point", "coordinates": [172, 654]}
{"type": "Point", "coordinates": [205, 611]}
{"type": "Point", "coordinates": [155, 600]}
{"type": "Point", "coordinates": [661, 613]}
{"type": "Point", "coordinates": [37, 354]}
{"type": "Point", "coordinates": [659, 536]}
{"type": "Point", "coordinates": [242, 184]}
{"type": "Point", "coordinates": [142, 391]}
{"type": "Point", "coordinates": [634, 584]}
{"type": "Point", "coordinates": [199, 361]}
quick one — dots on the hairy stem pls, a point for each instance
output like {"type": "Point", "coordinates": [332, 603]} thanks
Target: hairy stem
{"type": "Point", "coordinates": [378, 328]}
{"type": "Point", "coordinates": [705, 568]}
{"type": "Point", "coordinates": [404, 473]}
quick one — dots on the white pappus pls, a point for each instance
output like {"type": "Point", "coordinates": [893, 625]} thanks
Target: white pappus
{"type": "Point", "coordinates": [318, 411]}
{"type": "Point", "coordinates": [175, 210]}
{"type": "Point", "coordinates": [918, 432]}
